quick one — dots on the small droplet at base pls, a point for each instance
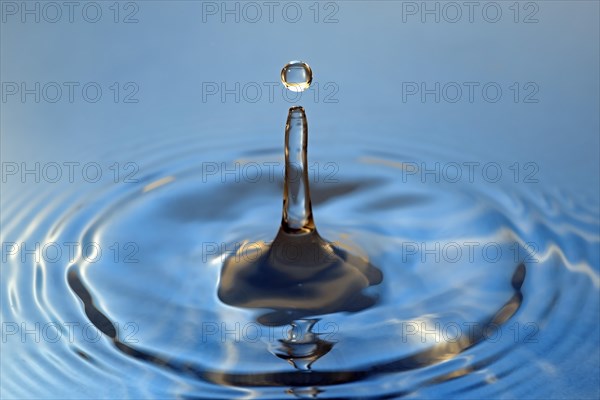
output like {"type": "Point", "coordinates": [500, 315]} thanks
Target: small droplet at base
{"type": "Point", "coordinates": [300, 274]}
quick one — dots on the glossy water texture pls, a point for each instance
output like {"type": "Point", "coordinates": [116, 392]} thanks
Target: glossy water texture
{"type": "Point", "coordinates": [148, 321]}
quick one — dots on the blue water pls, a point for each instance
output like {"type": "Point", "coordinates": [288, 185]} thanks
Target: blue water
{"type": "Point", "coordinates": [120, 300]}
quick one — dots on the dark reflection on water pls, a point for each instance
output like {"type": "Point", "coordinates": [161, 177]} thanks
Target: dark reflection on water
{"type": "Point", "coordinates": [297, 276]}
{"type": "Point", "coordinates": [291, 350]}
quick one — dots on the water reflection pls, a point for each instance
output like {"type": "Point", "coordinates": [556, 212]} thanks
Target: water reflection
{"type": "Point", "coordinates": [399, 345]}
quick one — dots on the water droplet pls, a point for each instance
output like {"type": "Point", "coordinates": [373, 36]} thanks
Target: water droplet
{"type": "Point", "coordinates": [296, 76]}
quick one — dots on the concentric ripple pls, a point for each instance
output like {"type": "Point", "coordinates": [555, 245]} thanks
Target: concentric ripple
{"type": "Point", "coordinates": [487, 291]}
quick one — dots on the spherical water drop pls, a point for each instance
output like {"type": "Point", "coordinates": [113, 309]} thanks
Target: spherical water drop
{"type": "Point", "coordinates": [296, 76]}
